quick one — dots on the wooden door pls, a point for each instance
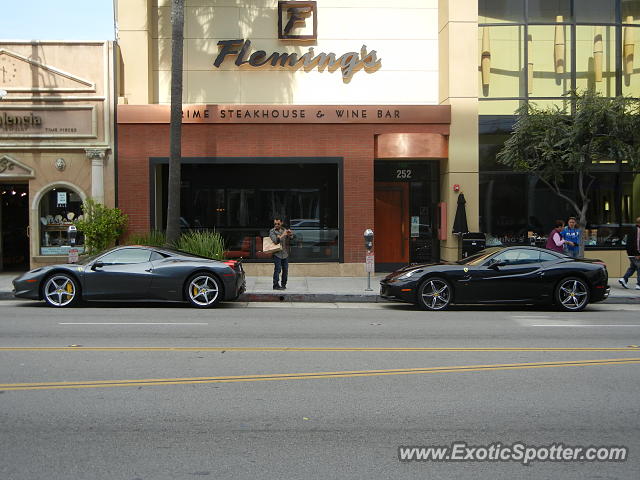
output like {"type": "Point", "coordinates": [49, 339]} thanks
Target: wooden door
{"type": "Point", "coordinates": [391, 222]}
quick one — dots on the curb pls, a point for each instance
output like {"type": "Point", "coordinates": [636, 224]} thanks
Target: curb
{"type": "Point", "coordinates": [311, 298]}
{"type": "Point", "coordinates": [344, 298]}
{"type": "Point", "coordinates": [6, 296]}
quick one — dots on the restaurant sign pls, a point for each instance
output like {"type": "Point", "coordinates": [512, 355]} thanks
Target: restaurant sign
{"type": "Point", "coordinates": [288, 114]}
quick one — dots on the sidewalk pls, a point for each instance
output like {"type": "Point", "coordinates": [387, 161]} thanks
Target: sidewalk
{"type": "Point", "coordinates": [335, 289]}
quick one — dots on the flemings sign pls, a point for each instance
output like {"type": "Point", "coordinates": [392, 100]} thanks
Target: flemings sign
{"type": "Point", "coordinates": [293, 16]}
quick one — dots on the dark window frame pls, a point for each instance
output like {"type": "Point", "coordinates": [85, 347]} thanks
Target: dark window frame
{"type": "Point", "coordinates": [338, 161]}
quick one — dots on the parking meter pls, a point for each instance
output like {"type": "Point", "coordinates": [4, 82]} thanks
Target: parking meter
{"type": "Point", "coordinates": [73, 232]}
{"type": "Point", "coordinates": [368, 239]}
{"type": "Point", "coordinates": [370, 261]}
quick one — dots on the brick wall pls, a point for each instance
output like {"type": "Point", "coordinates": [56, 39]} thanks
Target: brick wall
{"type": "Point", "coordinates": [354, 143]}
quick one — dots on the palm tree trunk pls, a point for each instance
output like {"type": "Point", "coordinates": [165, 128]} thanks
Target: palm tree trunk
{"type": "Point", "coordinates": [175, 129]}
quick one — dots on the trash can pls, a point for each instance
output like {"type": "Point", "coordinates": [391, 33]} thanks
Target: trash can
{"type": "Point", "coordinates": [472, 242]}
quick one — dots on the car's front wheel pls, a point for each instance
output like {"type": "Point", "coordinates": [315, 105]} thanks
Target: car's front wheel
{"type": "Point", "coordinates": [203, 290]}
{"type": "Point", "coordinates": [61, 290]}
{"type": "Point", "coordinates": [434, 294]}
{"type": "Point", "coordinates": [572, 294]}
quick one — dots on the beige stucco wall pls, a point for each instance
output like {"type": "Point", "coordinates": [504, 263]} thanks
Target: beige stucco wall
{"type": "Point", "coordinates": [459, 60]}
{"type": "Point", "coordinates": [59, 77]}
{"type": "Point", "coordinates": [404, 34]}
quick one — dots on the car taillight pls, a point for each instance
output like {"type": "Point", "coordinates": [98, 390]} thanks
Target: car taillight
{"type": "Point", "coordinates": [232, 264]}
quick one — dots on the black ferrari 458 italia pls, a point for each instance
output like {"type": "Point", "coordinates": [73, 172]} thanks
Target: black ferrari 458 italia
{"type": "Point", "coordinates": [501, 275]}
{"type": "Point", "coordinates": [135, 273]}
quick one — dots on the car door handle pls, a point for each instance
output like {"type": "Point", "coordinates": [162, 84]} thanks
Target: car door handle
{"type": "Point", "coordinates": [148, 269]}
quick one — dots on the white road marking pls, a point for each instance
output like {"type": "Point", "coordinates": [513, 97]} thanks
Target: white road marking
{"type": "Point", "coordinates": [132, 323]}
{"type": "Point", "coordinates": [592, 325]}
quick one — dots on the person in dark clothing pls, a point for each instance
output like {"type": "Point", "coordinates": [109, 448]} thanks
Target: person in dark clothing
{"type": "Point", "coordinates": [555, 241]}
{"type": "Point", "coordinates": [282, 236]}
{"type": "Point", "coordinates": [633, 251]}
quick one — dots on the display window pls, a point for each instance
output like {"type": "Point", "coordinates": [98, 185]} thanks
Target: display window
{"type": "Point", "coordinates": [241, 200]}
{"type": "Point", "coordinates": [59, 208]}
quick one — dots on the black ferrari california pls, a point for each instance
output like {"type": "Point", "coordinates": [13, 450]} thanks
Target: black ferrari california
{"type": "Point", "coordinates": [501, 275]}
{"type": "Point", "coordinates": [135, 273]}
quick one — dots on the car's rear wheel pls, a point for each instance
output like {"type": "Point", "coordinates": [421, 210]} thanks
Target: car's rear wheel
{"type": "Point", "coordinates": [203, 290]}
{"type": "Point", "coordinates": [434, 294]}
{"type": "Point", "coordinates": [61, 290]}
{"type": "Point", "coordinates": [572, 294]}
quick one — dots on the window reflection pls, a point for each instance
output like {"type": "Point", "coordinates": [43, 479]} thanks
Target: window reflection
{"type": "Point", "coordinates": [240, 201]}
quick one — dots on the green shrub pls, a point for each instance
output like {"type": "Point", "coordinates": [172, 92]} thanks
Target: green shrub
{"type": "Point", "coordinates": [100, 225]}
{"type": "Point", "coordinates": [203, 243]}
{"type": "Point", "coordinates": [154, 238]}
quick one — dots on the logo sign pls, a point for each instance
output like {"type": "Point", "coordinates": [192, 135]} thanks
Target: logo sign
{"type": "Point", "coordinates": [370, 264]}
{"type": "Point", "coordinates": [297, 20]}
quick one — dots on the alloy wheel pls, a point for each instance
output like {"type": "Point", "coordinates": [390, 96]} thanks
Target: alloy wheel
{"type": "Point", "coordinates": [573, 294]}
{"type": "Point", "coordinates": [435, 294]}
{"type": "Point", "coordinates": [204, 291]}
{"type": "Point", "coordinates": [60, 291]}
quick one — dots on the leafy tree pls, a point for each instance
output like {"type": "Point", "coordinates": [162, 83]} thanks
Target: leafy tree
{"type": "Point", "coordinates": [552, 142]}
{"type": "Point", "coordinates": [175, 128]}
{"type": "Point", "coordinates": [100, 225]}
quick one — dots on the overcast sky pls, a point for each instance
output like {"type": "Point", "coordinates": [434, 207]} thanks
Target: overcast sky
{"type": "Point", "coordinates": [56, 20]}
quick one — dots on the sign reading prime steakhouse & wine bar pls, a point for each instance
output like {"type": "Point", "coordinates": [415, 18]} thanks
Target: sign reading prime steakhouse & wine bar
{"type": "Point", "coordinates": [288, 114]}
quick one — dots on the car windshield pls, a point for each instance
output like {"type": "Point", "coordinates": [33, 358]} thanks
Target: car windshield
{"type": "Point", "coordinates": [479, 257]}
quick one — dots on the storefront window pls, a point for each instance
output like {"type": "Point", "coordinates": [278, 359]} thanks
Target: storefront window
{"type": "Point", "coordinates": [59, 207]}
{"type": "Point", "coordinates": [240, 201]}
{"type": "Point", "coordinates": [519, 209]}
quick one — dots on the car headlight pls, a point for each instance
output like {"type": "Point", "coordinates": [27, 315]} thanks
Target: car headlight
{"type": "Point", "coordinates": [409, 274]}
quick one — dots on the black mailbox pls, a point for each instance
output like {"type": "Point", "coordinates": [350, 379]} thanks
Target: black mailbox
{"type": "Point", "coordinates": [473, 242]}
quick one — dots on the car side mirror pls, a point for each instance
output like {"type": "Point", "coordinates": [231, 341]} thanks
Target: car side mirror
{"type": "Point", "coordinates": [97, 265]}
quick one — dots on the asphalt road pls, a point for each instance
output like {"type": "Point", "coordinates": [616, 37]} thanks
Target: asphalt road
{"type": "Point", "coordinates": [279, 391]}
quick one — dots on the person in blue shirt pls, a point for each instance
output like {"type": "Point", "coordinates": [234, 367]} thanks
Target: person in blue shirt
{"type": "Point", "coordinates": [572, 235]}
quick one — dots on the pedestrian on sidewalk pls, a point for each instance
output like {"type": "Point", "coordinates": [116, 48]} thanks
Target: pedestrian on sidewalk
{"type": "Point", "coordinates": [633, 251]}
{"type": "Point", "coordinates": [555, 241]}
{"type": "Point", "coordinates": [571, 235]}
{"type": "Point", "coordinates": [280, 236]}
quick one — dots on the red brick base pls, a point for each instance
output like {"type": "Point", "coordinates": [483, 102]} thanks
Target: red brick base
{"type": "Point", "coordinates": [355, 143]}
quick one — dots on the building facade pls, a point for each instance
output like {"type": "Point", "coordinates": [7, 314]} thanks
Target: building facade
{"type": "Point", "coordinates": [339, 131]}
{"type": "Point", "coordinates": [347, 115]}
{"type": "Point", "coordinates": [56, 145]}
{"type": "Point", "coordinates": [539, 51]}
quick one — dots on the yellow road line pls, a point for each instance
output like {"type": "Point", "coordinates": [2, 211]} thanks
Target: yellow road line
{"type": "Point", "coordinates": [310, 349]}
{"type": "Point", "coordinates": [313, 375]}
